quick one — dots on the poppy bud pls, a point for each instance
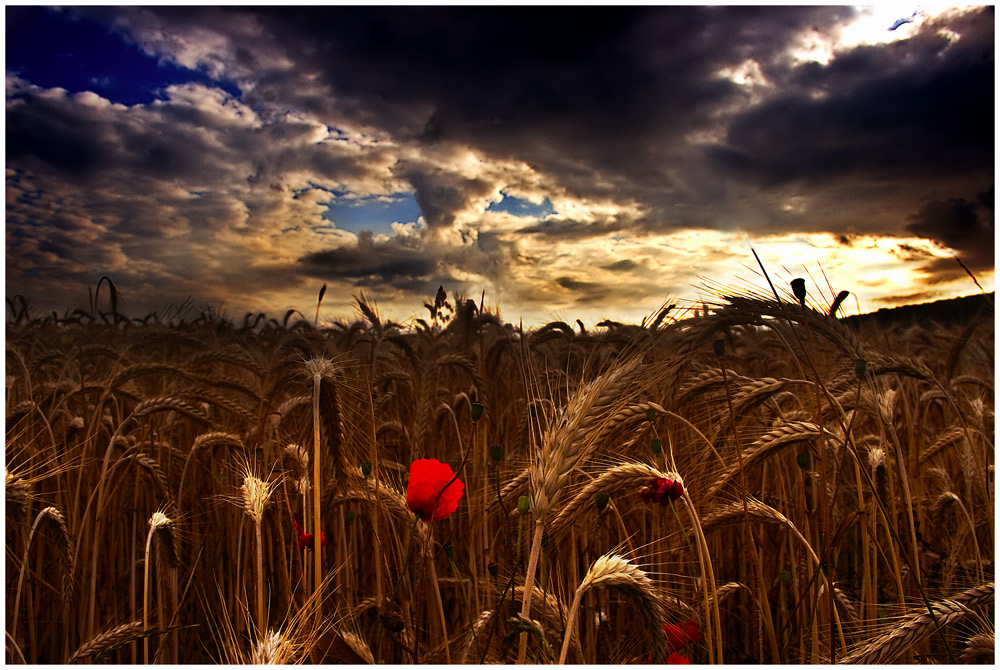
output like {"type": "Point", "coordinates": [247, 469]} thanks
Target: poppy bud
{"type": "Point", "coordinates": [719, 346]}
{"type": "Point", "coordinates": [656, 445]}
{"type": "Point", "coordinates": [366, 469]}
{"type": "Point", "coordinates": [799, 289]}
{"type": "Point", "coordinates": [496, 452]}
{"type": "Point", "coordinates": [602, 502]}
{"type": "Point", "coordinates": [523, 505]}
{"type": "Point", "coordinates": [493, 569]}
{"type": "Point", "coordinates": [860, 368]}
{"type": "Point", "coordinates": [477, 411]}
{"type": "Point", "coordinates": [449, 551]}
{"type": "Point", "coordinates": [393, 621]}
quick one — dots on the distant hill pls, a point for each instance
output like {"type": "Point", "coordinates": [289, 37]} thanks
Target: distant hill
{"type": "Point", "coordinates": [942, 311]}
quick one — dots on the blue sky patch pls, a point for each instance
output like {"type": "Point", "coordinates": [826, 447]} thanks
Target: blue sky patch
{"type": "Point", "coordinates": [521, 207]}
{"type": "Point", "coordinates": [373, 214]}
{"type": "Point", "coordinates": [80, 54]}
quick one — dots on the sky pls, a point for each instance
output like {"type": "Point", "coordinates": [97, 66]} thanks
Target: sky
{"type": "Point", "coordinates": [569, 161]}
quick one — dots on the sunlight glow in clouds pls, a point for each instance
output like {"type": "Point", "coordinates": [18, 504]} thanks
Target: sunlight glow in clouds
{"type": "Point", "coordinates": [874, 25]}
{"type": "Point", "coordinates": [595, 172]}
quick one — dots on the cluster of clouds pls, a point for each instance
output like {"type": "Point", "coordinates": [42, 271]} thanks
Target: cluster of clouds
{"type": "Point", "coordinates": [660, 136]}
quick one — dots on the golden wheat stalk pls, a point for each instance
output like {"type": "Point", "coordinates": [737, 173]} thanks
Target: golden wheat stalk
{"type": "Point", "coordinates": [564, 446]}
{"type": "Point", "coordinates": [256, 494]}
{"type": "Point", "coordinates": [53, 516]}
{"type": "Point", "coordinates": [159, 524]}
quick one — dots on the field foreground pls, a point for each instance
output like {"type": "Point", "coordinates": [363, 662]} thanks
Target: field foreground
{"type": "Point", "coordinates": [758, 482]}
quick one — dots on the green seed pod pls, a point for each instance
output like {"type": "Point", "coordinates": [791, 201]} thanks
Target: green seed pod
{"type": "Point", "coordinates": [656, 445]}
{"type": "Point", "coordinates": [785, 576]}
{"type": "Point", "coordinates": [449, 551]}
{"type": "Point", "coordinates": [602, 502]}
{"type": "Point", "coordinates": [523, 505]}
{"type": "Point", "coordinates": [860, 368]}
{"type": "Point", "coordinates": [350, 516]}
{"type": "Point", "coordinates": [493, 569]}
{"type": "Point", "coordinates": [803, 460]}
{"type": "Point", "coordinates": [366, 468]}
{"type": "Point", "coordinates": [477, 411]}
{"type": "Point", "coordinates": [496, 452]}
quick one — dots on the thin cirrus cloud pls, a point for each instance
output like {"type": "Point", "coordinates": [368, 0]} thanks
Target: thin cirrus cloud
{"type": "Point", "coordinates": [587, 161]}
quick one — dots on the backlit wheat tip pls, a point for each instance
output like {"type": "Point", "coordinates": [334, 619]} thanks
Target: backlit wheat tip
{"type": "Point", "coordinates": [256, 493]}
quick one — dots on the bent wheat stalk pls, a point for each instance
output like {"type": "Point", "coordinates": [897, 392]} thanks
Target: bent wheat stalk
{"type": "Point", "coordinates": [615, 571]}
{"type": "Point", "coordinates": [55, 517]}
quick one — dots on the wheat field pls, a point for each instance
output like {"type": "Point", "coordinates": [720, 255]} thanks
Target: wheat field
{"type": "Point", "coordinates": [749, 481]}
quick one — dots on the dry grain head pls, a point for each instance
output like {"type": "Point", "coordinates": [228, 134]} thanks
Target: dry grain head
{"type": "Point", "coordinates": [274, 649]}
{"type": "Point", "coordinates": [256, 494]}
{"type": "Point", "coordinates": [574, 434]}
{"type": "Point", "coordinates": [162, 528]}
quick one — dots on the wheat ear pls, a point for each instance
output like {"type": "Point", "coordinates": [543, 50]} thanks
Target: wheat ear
{"type": "Point", "coordinates": [107, 640]}
{"type": "Point", "coordinates": [622, 477]}
{"type": "Point", "coordinates": [617, 572]}
{"type": "Point", "coordinates": [788, 433]}
{"type": "Point", "coordinates": [980, 649]}
{"type": "Point", "coordinates": [943, 612]}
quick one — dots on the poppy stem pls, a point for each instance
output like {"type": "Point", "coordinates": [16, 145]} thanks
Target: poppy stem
{"type": "Point", "coordinates": [395, 588]}
{"type": "Point", "coordinates": [406, 561]}
{"type": "Point", "coordinates": [458, 471]}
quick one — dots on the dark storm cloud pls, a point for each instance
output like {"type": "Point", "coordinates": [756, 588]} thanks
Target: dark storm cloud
{"type": "Point", "coordinates": [626, 265]}
{"type": "Point", "coordinates": [440, 195]}
{"type": "Point", "coordinates": [602, 100]}
{"type": "Point", "coordinates": [915, 109]}
{"type": "Point", "coordinates": [388, 261]}
{"type": "Point", "coordinates": [963, 225]}
{"type": "Point", "coordinates": [584, 291]}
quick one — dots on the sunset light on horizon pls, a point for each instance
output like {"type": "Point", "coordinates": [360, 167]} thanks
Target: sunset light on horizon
{"type": "Point", "coordinates": [567, 162]}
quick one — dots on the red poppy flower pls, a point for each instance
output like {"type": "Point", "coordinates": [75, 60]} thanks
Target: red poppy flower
{"type": "Point", "coordinates": [679, 635]}
{"type": "Point", "coordinates": [676, 638]}
{"type": "Point", "coordinates": [677, 659]}
{"type": "Point", "coordinates": [693, 631]}
{"type": "Point", "coordinates": [662, 491]}
{"type": "Point", "coordinates": [427, 477]}
{"type": "Point", "coordinates": [305, 539]}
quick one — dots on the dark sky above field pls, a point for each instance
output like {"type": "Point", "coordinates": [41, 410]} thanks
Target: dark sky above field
{"type": "Point", "coordinates": [571, 161]}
